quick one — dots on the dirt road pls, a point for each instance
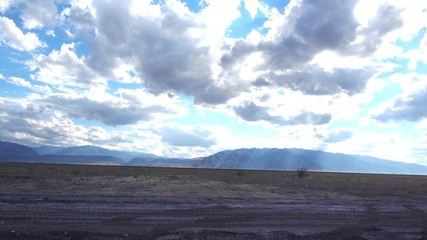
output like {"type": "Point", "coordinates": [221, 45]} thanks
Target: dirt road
{"type": "Point", "coordinates": [190, 207]}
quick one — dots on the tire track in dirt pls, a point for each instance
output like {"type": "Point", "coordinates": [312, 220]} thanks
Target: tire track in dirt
{"type": "Point", "coordinates": [209, 221]}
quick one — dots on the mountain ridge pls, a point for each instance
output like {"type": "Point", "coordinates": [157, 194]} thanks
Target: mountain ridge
{"type": "Point", "coordinates": [90, 150]}
{"type": "Point", "coordinates": [15, 149]}
{"type": "Point", "coordinates": [245, 158]}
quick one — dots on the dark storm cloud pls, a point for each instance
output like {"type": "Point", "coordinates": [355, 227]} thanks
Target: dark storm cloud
{"type": "Point", "coordinates": [240, 50]}
{"type": "Point", "coordinates": [186, 138]}
{"type": "Point", "coordinates": [213, 95]}
{"type": "Point", "coordinates": [261, 82]}
{"type": "Point", "coordinates": [326, 24]}
{"type": "Point", "coordinates": [108, 112]}
{"type": "Point", "coordinates": [310, 28]}
{"type": "Point", "coordinates": [377, 28]}
{"type": "Point", "coordinates": [169, 59]}
{"type": "Point", "coordinates": [161, 49]}
{"type": "Point", "coordinates": [316, 81]}
{"type": "Point", "coordinates": [309, 118]}
{"type": "Point", "coordinates": [413, 108]}
{"type": "Point", "coordinates": [252, 112]}
{"type": "Point", "coordinates": [84, 24]}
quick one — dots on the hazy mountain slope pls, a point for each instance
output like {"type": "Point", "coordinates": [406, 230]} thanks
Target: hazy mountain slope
{"type": "Point", "coordinates": [392, 166]}
{"type": "Point", "coordinates": [14, 149]}
{"type": "Point", "coordinates": [64, 159]}
{"type": "Point", "coordinates": [161, 162]}
{"type": "Point", "coordinates": [292, 159]}
{"type": "Point", "coordinates": [98, 151]}
{"type": "Point", "coordinates": [258, 159]}
{"type": "Point", "coordinates": [48, 149]}
{"type": "Point", "coordinates": [12, 152]}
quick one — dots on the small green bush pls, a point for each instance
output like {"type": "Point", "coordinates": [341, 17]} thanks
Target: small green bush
{"type": "Point", "coordinates": [239, 173]}
{"type": "Point", "coordinates": [302, 172]}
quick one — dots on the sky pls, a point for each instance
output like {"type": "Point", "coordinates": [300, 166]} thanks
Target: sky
{"type": "Point", "coordinates": [191, 78]}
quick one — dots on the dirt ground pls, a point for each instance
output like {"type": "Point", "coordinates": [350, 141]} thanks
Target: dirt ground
{"type": "Point", "coordinates": [58, 202]}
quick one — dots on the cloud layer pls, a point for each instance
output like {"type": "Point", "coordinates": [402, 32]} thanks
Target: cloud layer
{"type": "Point", "coordinates": [412, 108]}
{"type": "Point", "coordinates": [180, 79]}
{"type": "Point", "coordinates": [252, 112]}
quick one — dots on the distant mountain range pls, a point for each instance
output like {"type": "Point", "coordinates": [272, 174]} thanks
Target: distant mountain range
{"type": "Point", "coordinates": [92, 151]}
{"type": "Point", "coordinates": [14, 149]}
{"type": "Point", "coordinates": [257, 159]}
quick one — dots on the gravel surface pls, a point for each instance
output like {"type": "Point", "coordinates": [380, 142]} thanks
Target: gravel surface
{"type": "Point", "coordinates": [188, 206]}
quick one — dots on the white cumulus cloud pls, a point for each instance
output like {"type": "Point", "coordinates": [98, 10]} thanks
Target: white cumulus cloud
{"type": "Point", "coordinates": [12, 36]}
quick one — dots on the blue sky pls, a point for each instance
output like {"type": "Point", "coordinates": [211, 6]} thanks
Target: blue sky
{"type": "Point", "coordinates": [190, 78]}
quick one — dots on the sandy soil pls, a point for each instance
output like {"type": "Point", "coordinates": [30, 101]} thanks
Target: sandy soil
{"type": "Point", "coordinates": [92, 202]}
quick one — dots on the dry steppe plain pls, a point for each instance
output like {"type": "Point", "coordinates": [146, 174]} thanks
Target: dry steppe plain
{"type": "Point", "coordinates": [43, 201]}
